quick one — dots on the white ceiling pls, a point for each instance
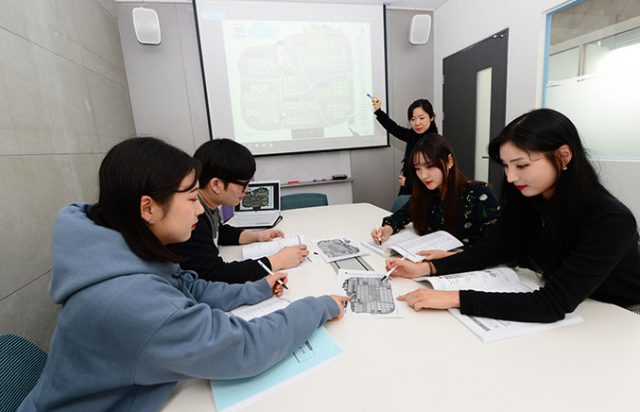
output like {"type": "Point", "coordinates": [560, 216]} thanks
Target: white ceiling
{"type": "Point", "coordinates": [415, 4]}
{"type": "Point", "coordinates": [391, 4]}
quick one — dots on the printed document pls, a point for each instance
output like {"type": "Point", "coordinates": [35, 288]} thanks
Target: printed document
{"type": "Point", "coordinates": [258, 250]}
{"type": "Point", "coordinates": [370, 296]}
{"type": "Point", "coordinates": [500, 279]}
{"type": "Point", "coordinates": [248, 312]}
{"type": "Point", "coordinates": [409, 244]}
{"type": "Point", "coordinates": [261, 249]}
{"type": "Point", "coordinates": [338, 248]}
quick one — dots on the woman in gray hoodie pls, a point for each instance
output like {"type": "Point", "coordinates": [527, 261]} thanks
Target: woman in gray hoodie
{"type": "Point", "coordinates": [133, 323]}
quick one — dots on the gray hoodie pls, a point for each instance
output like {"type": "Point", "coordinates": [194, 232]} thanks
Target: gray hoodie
{"type": "Point", "coordinates": [129, 328]}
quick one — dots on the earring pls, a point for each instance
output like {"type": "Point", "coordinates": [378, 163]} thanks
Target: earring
{"type": "Point", "coordinates": [150, 221]}
{"type": "Point", "coordinates": [564, 167]}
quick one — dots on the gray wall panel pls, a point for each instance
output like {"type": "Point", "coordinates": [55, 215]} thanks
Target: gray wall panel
{"type": "Point", "coordinates": [64, 103]}
{"type": "Point", "coordinates": [162, 76]}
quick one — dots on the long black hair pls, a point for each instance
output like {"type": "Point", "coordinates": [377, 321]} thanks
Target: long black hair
{"type": "Point", "coordinates": [134, 168]}
{"type": "Point", "coordinates": [425, 105]}
{"type": "Point", "coordinates": [436, 151]}
{"type": "Point", "coordinates": [544, 131]}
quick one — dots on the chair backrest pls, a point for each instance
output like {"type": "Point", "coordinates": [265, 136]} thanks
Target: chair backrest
{"type": "Point", "coordinates": [399, 202]}
{"type": "Point", "coordinates": [300, 200]}
{"type": "Point", "coordinates": [21, 363]}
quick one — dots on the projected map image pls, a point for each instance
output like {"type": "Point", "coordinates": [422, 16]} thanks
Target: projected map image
{"type": "Point", "coordinates": [297, 81]}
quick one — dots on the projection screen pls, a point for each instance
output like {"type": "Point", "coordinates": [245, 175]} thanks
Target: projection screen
{"type": "Point", "coordinates": [287, 77]}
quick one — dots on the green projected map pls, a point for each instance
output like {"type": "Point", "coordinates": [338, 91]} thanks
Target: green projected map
{"type": "Point", "coordinates": [291, 80]}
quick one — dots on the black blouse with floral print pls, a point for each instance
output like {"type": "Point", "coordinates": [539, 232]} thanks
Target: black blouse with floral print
{"type": "Point", "coordinates": [478, 213]}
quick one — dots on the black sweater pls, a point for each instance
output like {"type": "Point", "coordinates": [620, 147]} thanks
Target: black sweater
{"type": "Point", "coordinates": [204, 256]}
{"type": "Point", "coordinates": [407, 135]}
{"type": "Point", "coordinates": [603, 264]}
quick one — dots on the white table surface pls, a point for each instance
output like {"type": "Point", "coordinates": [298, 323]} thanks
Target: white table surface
{"type": "Point", "coordinates": [429, 361]}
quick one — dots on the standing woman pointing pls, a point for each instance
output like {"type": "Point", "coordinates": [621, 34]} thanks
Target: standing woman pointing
{"type": "Point", "coordinates": [420, 115]}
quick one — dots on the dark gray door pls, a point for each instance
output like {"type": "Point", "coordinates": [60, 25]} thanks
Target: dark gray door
{"type": "Point", "coordinates": [474, 103]}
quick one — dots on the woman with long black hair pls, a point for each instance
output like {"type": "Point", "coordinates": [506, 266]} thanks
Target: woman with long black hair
{"type": "Point", "coordinates": [557, 219]}
{"type": "Point", "coordinates": [443, 198]}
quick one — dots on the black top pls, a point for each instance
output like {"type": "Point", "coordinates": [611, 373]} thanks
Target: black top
{"type": "Point", "coordinates": [479, 211]}
{"type": "Point", "coordinates": [408, 136]}
{"type": "Point", "coordinates": [603, 263]}
{"type": "Point", "coordinates": [202, 251]}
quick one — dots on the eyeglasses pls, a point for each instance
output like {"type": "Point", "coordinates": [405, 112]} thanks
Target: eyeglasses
{"type": "Point", "coordinates": [244, 184]}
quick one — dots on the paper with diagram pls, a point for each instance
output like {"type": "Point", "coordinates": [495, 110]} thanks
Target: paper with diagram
{"type": "Point", "coordinates": [338, 248]}
{"type": "Point", "coordinates": [370, 296]}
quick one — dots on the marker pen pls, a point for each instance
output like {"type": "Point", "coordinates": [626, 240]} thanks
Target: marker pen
{"type": "Point", "coordinates": [371, 97]}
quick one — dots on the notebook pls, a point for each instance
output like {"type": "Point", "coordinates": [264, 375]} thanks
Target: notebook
{"type": "Point", "coordinates": [260, 207]}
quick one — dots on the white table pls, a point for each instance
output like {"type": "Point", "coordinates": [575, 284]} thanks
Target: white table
{"type": "Point", "coordinates": [428, 361]}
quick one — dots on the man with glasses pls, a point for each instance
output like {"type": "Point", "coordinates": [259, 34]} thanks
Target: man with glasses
{"type": "Point", "coordinates": [227, 169]}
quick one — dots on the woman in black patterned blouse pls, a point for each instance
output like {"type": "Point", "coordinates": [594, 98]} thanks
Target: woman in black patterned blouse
{"type": "Point", "coordinates": [442, 198]}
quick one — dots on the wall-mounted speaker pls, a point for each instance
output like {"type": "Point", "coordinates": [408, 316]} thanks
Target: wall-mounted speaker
{"type": "Point", "coordinates": [146, 25]}
{"type": "Point", "coordinates": [420, 29]}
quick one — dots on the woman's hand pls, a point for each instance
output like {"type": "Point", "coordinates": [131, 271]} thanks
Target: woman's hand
{"type": "Point", "coordinates": [402, 180]}
{"type": "Point", "coordinates": [382, 233]}
{"type": "Point", "coordinates": [407, 269]}
{"type": "Point", "coordinates": [277, 288]}
{"type": "Point", "coordinates": [434, 254]}
{"type": "Point", "coordinates": [376, 102]}
{"type": "Point", "coordinates": [341, 301]}
{"type": "Point", "coordinates": [288, 257]}
{"type": "Point", "coordinates": [431, 299]}
{"type": "Point", "coordinates": [269, 235]}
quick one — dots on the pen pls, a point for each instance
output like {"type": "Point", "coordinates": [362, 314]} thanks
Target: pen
{"type": "Point", "coordinates": [390, 270]}
{"type": "Point", "coordinates": [379, 238]}
{"type": "Point", "coordinates": [371, 97]}
{"type": "Point", "coordinates": [271, 273]}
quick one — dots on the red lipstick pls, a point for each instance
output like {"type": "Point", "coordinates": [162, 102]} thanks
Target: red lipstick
{"type": "Point", "coordinates": [521, 187]}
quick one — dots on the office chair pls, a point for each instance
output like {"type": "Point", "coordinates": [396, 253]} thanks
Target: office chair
{"type": "Point", "coordinates": [399, 202]}
{"type": "Point", "coordinates": [300, 200]}
{"type": "Point", "coordinates": [21, 363]}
